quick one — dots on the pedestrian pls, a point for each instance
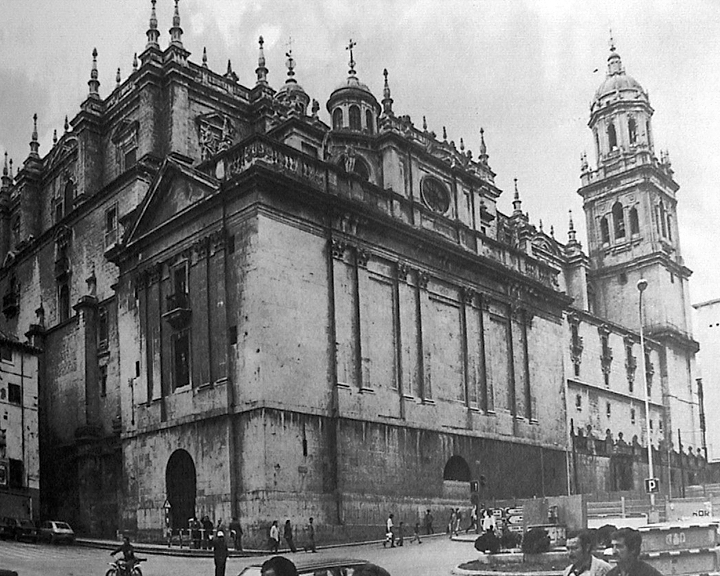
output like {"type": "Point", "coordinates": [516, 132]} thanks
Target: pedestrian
{"type": "Point", "coordinates": [416, 534]}
{"type": "Point", "coordinates": [195, 532]}
{"type": "Point", "coordinates": [626, 544]}
{"type": "Point", "coordinates": [579, 548]}
{"type": "Point", "coordinates": [220, 553]}
{"type": "Point", "coordinates": [458, 520]}
{"type": "Point", "coordinates": [389, 534]}
{"type": "Point", "coordinates": [451, 522]}
{"type": "Point", "coordinates": [206, 532]}
{"type": "Point", "coordinates": [473, 519]}
{"type": "Point", "coordinates": [488, 520]}
{"type": "Point", "coordinates": [310, 529]}
{"type": "Point", "coordinates": [428, 522]}
{"type": "Point", "coordinates": [236, 533]}
{"type": "Point", "coordinates": [274, 537]}
{"type": "Point", "coordinates": [288, 535]}
{"type": "Point", "coordinates": [401, 534]}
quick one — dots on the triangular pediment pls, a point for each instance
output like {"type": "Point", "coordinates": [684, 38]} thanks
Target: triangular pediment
{"type": "Point", "coordinates": [175, 190]}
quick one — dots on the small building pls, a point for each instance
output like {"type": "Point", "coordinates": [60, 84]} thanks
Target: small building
{"type": "Point", "coordinates": [19, 429]}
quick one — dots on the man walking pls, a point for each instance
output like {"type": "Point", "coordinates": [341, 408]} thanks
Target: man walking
{"type": "Point", "coordinates": [579, 550]}
{"type": "Point", "coordinates": [310, 546]}
{"type": "Point", "coordinates": [220, 553]}
{"type": "Point", "coordinates": [428, 522]}
{"type": "Point", "coordinates": [236, 534]}
{"type": "Point", "coordinates": [274, 537]}
{"type": "Point", "coordinates": [389, 534]}
{"type": "Point", "coordinates": [626, 544]}
{"type": "Point", "coordinates": [288, 535]}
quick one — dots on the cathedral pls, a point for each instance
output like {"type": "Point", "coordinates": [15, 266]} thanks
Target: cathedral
{"type": "Point", "coordinates": [245, 311]}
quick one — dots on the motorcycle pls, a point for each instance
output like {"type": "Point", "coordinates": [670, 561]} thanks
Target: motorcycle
{"type": "Point", "coordinates": [122, 568]}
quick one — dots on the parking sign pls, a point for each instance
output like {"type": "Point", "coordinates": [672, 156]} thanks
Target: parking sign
{"type": "Point", "coordinates": [652, 485]}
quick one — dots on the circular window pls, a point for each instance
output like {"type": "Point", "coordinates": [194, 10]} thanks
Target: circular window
{"type": "Point", "coordinates": [435, 195]}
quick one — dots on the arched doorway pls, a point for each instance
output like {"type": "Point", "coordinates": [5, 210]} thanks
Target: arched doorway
{"type": "Point", "coordinates": [456, 479]}
{"type": "Point", "coordinates": [180, 484]}
{"type": "Point", "coordinates": [457, 469]}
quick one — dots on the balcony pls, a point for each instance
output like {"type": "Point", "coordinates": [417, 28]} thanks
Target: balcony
{"type": "Point", "coordinates": [11, 304]}
{"type": "Point", "coordinates": [178, 310]}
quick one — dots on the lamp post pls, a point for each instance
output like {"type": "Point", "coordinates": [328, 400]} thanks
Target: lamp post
{"type": "Point", "coordinates": [641, 286]}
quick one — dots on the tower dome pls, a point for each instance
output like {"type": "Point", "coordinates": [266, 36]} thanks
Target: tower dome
{"type": "Point", "coordinates": [292, 94]}
{"type": "Point", "coordinates": [352, 105]}
{"type": "Point", "coordinates": [620, 114]}
{"type": "Point", "coordinates": [618, 84]}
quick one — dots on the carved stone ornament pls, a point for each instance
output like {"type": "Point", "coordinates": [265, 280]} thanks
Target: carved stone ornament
{"type": "Point", "coordinates": [468, 295]}
{"type": "Point", "coordinates": [362, 257]}
{"type": "Point", "coordinates": [402, 271]}
{"type": "Point", "coordinates": [423, 278]}
{"type": "Point", "coordinates": [215, 134]}
{"type": "Point", "coordinates": [337, 247]}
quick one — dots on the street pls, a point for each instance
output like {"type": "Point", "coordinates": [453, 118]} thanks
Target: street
{"type": "Point", "coordinates": [434, 557]}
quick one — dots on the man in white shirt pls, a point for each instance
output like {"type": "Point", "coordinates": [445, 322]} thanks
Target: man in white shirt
{"type": "Point", "coordinates": [584, 563]}
{"type": "Point", "coordinates": [274, 537]}
{"type": "Point", "coordinates": [389, 534]}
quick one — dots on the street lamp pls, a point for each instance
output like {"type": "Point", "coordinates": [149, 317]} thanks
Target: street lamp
{"type": "Point", "coordinates": [641, 286]}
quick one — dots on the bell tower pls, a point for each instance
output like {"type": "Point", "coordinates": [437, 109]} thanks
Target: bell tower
{"type": "Point", "coordinates": [630, 203]}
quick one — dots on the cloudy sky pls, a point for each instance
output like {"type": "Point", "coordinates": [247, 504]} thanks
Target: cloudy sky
{"type": "Point", "coordinates": [526, 71]}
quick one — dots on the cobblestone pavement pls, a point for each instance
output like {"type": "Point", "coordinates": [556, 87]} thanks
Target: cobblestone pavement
{"type": "Point", "coordinates": [434, 557]}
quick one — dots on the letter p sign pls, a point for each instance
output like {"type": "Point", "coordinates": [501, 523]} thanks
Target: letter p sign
{"type": "Point", "coordinates": [652, 485]}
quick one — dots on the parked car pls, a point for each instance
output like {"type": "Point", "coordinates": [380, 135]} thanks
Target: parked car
{"type": "Point", "coordinates": [25, 530]}
{"type": "Point", "coordinates": [7, 525]}
{"type": "Point", "coordinates": [55, 531]}
{"type": "Point", "coordinates": [312, 566]}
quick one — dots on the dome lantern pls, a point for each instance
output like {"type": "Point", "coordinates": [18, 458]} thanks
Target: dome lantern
{"type": "Point", "coordinates": [352, 105]}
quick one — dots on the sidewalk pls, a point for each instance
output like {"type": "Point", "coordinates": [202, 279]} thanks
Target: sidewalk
{"type": "Point", "coordinates": [165, 550]}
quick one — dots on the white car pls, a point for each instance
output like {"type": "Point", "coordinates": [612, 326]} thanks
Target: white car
{"type": "Point", "coordinates": [55, 531]}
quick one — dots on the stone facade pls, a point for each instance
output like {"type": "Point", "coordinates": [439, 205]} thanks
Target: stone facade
{"type": "Point", "coordinates": [247, 312]}
{"type": "Point", "coordinates": [19, 430]}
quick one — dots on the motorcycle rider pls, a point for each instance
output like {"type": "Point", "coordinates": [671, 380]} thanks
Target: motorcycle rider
{"type": "Point", "coordinates": [128, 561]}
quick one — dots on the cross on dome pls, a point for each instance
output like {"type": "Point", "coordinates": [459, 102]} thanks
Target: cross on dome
{"type": "Point", "coordinates": [350, 47]}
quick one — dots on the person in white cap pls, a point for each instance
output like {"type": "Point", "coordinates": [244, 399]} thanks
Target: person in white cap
{"type": "Point", "coordinates": [220, 553]}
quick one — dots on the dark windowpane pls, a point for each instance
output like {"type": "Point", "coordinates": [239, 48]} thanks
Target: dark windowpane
{"type": "Point", "coordinates": [181, 360]}
{"type": "Point", "coordinates": [355, 118]}
{"type": "Point", "coordinates": [15, 393]}
{"type": "Point", "coordinates": [130, 158]}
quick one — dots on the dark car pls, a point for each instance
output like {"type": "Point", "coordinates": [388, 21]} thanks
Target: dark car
{"type": "Point", "coordinates": [25, 530]}
{"type": "Point", "coordinates": [316, 566]}
{"type": "Point", "coordinates": [55, 531]}
{"type": "Point", "coordinates": [7, 526]}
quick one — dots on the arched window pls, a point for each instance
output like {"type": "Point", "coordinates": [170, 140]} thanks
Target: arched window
{"type": "Point", "coordinates": [662, 216]}
{"type": "Point", "coordinates": [649, 133]}
{"type": "Point", "coordinates": [64, 302]}
{"type": "Point", "coordinates": [632, 130]}
{"type": "Point", "coordinates": [69, 196]}
{"type": "Point", "coordinates": [619, 220]}
{"type": "Point", "coordinates": [669, 227]}
{"type": "Point", "coordinates": [604, 230]}
{"type": "Point", "coordinates": [355, 118]}
{"type": "Point", "coordinates": [361, 168]}
{"type": "Point", "coordinates": [634, 221]}
{"type": "Point", "coordinates": [457, 469]}
{"type": "Point", "coordinates": [597, 145]}
{"type": "Point", "coordinates": [612, 137]}
{"type": "Point", "coordinates": [337, 118]}
{"type": "Point", "coordinates": [370, 121]}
